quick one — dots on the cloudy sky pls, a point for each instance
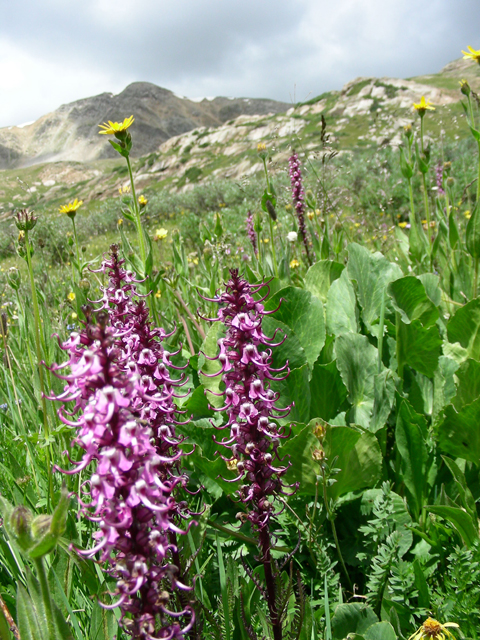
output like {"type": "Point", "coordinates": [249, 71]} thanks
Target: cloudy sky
{"type": "Point", "coordinates": [57, 51]}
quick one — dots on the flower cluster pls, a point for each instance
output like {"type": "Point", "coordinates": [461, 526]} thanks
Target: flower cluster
{"type": "Point", "coordinates": [251, 231]}
{"type": "Point", "coordinates": [245, 356]}
{"type": "Point", "coordinates": [299, 199]}
{"type": "Point", "coordinates": [120, 382]}
{"type": "Point", "coordinates": [439, 178]}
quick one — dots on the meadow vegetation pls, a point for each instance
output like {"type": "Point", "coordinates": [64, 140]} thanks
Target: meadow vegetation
{"type": "Point", "coordinates": [250, 410]}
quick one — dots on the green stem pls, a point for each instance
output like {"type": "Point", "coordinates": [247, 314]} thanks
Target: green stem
{"type": "Point", "coordinates": [138, 221]}
{"type": "Point", "coordinates": [478, 178]}
{"type": "Point", "coordinates": [77, 247]}
{"type": "Point", "coordinates": [38, 336]}
{"type": "Point", "coordinates": [427, 213]}
{"type": "Point", "coordinates": [47, 600]}
{"type": "Point", "coordinates": [272, 242]}
{"type": "Point", "coordinates": [331, 518]}
{"type": "Point", "coordinates": [398, 340]}
{"type": "Point", "coordinates": [475, 277]}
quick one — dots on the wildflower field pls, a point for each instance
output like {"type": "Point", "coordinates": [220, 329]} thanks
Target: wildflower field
{"type": "Point", "coordinates": [254, 418]}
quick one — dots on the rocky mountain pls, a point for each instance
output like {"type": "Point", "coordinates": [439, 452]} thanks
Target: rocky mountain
{"type": "Point", "coordinates": [71, 132]}
{"type": "Point", "coordinates": [195, 142]}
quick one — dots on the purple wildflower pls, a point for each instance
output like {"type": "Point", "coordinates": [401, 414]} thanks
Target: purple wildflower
{"type": "Point", "coordinates": [251, 231]}
{"type": "Point", "coordinates": [298, 199]}
{"type": "Point", "coordinates": [439, 177]}
{"type": "Point", "coordinates": [250, 405]}
{"type": "Point", "coordinates": [120, 379]}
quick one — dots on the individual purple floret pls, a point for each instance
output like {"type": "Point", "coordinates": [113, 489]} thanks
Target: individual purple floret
{"type": "Point", "coordinates": [251, 231]}
{"type": "Point", "coordinates": [298, 199]}
{"type": "Point", "coordinates": [245, 356]}
{"type": "Point", "coordinates": [439, 177]}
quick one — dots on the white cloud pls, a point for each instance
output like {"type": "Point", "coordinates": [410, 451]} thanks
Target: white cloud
{"type": "Point", "coordinates": [55, 51]}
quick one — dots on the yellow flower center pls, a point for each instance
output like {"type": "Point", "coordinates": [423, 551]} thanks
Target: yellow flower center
{"type": "Point", "coordinates": [432, 628]}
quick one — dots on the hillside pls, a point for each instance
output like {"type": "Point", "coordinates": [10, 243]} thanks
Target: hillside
{"type": "Point", "coordinates": [179, 143]}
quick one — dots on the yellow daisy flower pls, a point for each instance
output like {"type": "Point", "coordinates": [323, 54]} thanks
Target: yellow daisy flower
{"type": "Point", "coordinates": [71, 207]}
{"type": "Point", "coordinates": [433, 630]}
{"type": "Point", "coordinates": [120, 222]}
{"type": "Point", "coordinates": [116, 127]}
{"type": "Point", "coordinates": [294, 264]}
{"type": "Point", "coordinates": [71, 296]}
{"type": "Point", "coordinates": [402, 225]}
{"type": "Point", "coordinates": [473, 55]}
{"type": "Point", "coordinates": [423, 106]}
{"type": "Point", "coordinates": [160, 234]}
{"type": "Point", "coordinates": [142, 201]}
{"type": "Point", "coordinates": [123, 190]}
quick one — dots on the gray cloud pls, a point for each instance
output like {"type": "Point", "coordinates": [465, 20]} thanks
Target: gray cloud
{"type": "Point", "coordinates": [59, 51]}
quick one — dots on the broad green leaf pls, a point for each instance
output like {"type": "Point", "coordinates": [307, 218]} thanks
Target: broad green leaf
{"type": "Point", "coordinates": [459, 434]}
{"type": "Point", "coordinates": [431, 282]}
{"type": "Point", "coordinates": [197, 406]}
{"type": "Point", "coordinates": [372, 272]}
{"type": "Point", "coordinates": [421, 584]}
{"type": "Point", "coordinates": [468, 383]}
{"type": "Point", "coordinates": [341, 307]}
{"type": "Point", "coordinates": [383, 396]}
{"type": "Point", "coordinates": [399, 516]}
{"type": "Point", "coordinates": [291, 351]}
{"type": "Point", "coordinates": [460, 521]}
{"type": "Point", "coordinates": [357, 361]}
{"type": "Point", "coordinates": [411, 301]}
{"type": "Point", "coordinates": [320, 276]}
{"type": "Point", "coordinates": [380, 631]}
{"type": "Point", "coordinates": [208, 367]}
{"type": "Point", "coordinates": [444, 384]}
{"type": "Point", "coordinates": [419, 347]}
{"type": "Point", "coordinates": [410, 433]}
{"type": "Point", "coordinates": [327, 391]}
{"type": "Point", "coordinates": [358, 457]}
{"type": "Point", "coordinates": [299, 447]}
{"type": "Point", "coordinates": [464, 327]}
{"type": "Point", "coordinates": [352, 618]}
{"type": "Point", "coordinates": [294, 389]}
{"type": "Point", "coordinates": [303, 313]}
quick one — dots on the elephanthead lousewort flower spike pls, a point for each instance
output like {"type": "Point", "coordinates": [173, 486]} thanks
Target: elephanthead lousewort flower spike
{"type": "Point", "coordinates": [299, 199]}
{"type": "Point", "coordinates": [245, 358]}
{"type": "Point", "coordinates": [123, 392]}
{"type": "Point", "coordinates": [251, 231]}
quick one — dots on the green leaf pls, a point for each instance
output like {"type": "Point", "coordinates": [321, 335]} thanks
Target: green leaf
{"type": "Point", "coordinates": [294, 389]}
{"type": "Point", "coordinates": [410, 439]}
{"type": "Point", "coordinates": [458, 434]}
{"type": "Point", "coordinates": [290, 351]}
{"type": "Point", "coordinates": [380, 631]}
{"type": "Point", "coordinates": [103, 624]}
{"type": "Point", "coordinates": [466, 497]}
{"type": "Point", "coordinates": [472, 234]}
{"type": "Point", "coordinates": [411, 301]}
{"type": "Point", "coordinates": [357, 361]}
{"type": "Point", "coordinates": [383, 396]}
{"type": "Point", "coordinates": [32, 623]}
{"type": "Point", "coordinates": [453, 233]}
{"type": "Point", "coordinates": [399, 516]}
{"type": "Point", "coordinates": [405, 166]}
{"type": "Point", "coordinates": [341, 307]}
{"type": "Point", "coordinates": [464, 327]}
{"type": "Point", "coordinates": [209, 367]}
{"type": "Point", "coordinates": [4, 628]}
{"type": "Point", "coordinates": [327, 391]}
{"type": "Point", "coordinates": [460, 521]}
{"type": "Point", "coordinates": [303, 313]}
{"type": "Point", "coordinates": [197, 406]}
{"type": "Point", "coordinates": [320, 276]}
{"type": "Point", "coordinates": [372, 272]}
{"type": "Point", "coordinates": [358, 457]}
{"type": "Point", "coordinates": [468, 383]}
{"type": "Point", "coordinates": [419, 347]}
{"type": "Point", "coordinates": [353, 617]}
{"type": "Point", "coordinates": [299, 447]}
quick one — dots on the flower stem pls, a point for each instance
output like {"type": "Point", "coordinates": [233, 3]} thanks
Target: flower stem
{"type": "Point", "coordinates": [77, 247]}
{"type": "Point", "coordinates": [331, 518]}
{"type": "Point", "coordinates": [38, 338]}
{"type": "Point", "coordinates": [265, 545]}
{"type": "Point", "coordinates": [272, 242]}
{"type": "Point", "coordinates": [138, 221]}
